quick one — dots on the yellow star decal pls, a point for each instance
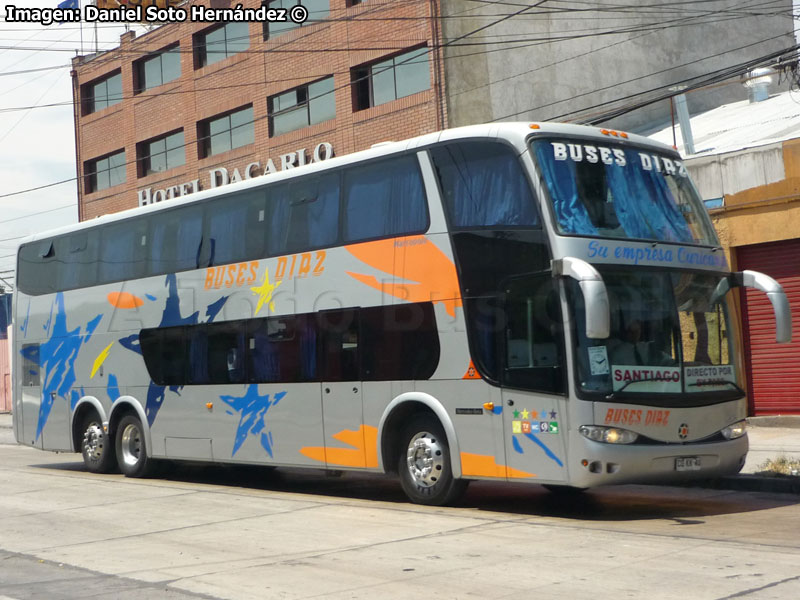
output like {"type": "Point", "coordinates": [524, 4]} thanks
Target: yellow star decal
{"type": "Point", "coordinates": [525, 413]}
{"type": "Point", "coordinates": [265, 291]}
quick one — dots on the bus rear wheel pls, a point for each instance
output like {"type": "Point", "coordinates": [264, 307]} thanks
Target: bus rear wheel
{"type": "Point", "coordinates": [97, 448]}
{"type": "Point", "coordinates": [426, 475]}
{"type": "Point", "coordinates": [131, 448]}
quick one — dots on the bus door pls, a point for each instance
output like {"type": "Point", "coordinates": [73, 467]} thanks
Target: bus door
{"type": "Point", "coordinates": [342, 409]}
{"type": "Point", "coordinates": [534, 380]}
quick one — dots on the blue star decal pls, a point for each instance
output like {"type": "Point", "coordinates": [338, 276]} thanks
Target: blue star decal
{"type": "Point", "coordinates": [56, 358]}
{"type": "Point", "coordinates": [252, 409]}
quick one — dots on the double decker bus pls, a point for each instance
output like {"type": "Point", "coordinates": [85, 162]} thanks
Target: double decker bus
{"type": "Point", "coordinates": [539, 303]}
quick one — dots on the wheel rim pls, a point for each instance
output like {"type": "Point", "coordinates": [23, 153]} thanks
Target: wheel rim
{"type": "Point", "coordinates": [425, 459]}
{"type": "Point", "coordinates": [131, 446]}
{"type": "Point", "coordinates": [94, 442]}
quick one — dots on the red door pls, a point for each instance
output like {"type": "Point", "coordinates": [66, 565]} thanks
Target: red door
{"type": "Point", "coordinates": [773, 384]}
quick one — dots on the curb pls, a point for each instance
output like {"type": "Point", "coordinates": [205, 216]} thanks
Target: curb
{"type": "Point", "coordinates": [786, 421]}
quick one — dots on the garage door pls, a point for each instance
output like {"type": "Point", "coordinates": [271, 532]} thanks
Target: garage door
{"type": "Point", "coordinates": [774, 382]}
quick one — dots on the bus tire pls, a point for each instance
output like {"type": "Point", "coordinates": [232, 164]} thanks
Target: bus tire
{"type": "Point", "coordinates": [97, 448]}
{"type": "Point", "coordinates": [426, 475]}
{"type": "Point", "coordinates": [131, 448]}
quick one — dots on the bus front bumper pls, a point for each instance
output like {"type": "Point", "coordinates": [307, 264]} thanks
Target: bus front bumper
{"type": "Point", "coordinates": [596, 463]}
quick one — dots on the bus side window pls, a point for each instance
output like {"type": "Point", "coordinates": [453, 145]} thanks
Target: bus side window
{"type": "Point", "coordinates": [37, 268]}
{"type": "Point", "coordinates": [123, 251]}
{"type": "Point", "coordinates": [383, 199]}
{"type": "Point", "coordinates": [281, 350]}
{"type": "Point", "coordinates": [226, 232]}
{"type": "Point", "coordinates": [256, 225]}
{"type": "Point", "coordinates": [483, 185]}
{"type": "Point", "coordinates": [277, 219]}
{"type": "Point", "coordinates": [339, 331]}
{"type": "Point", "coordinates": [313, 213]}
{"type": "Point", "coordinates": [175, 238]}
{"type": "Point", "coordinates": [165, 354]}
{"type": "Point", "coordinates": [226, 352]}
{"type": "Point", "coordinates": [399, 342]}
{"type": "Point", "coordinates": [76, 254]}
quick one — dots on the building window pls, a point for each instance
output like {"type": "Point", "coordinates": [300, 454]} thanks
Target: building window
{"type": "Point", "coordinates": [158, 69]}
{"type": "Point", "coordinates": [388, 80]}
{"type": "Point", "coordinates": [300, 107]}
{"type": "Point", "coordinates": [102, 93]}
{"type": "Point", "coordinates": [317, 10]}
{"type": "Point", "coordinates": [161, 154]}
{"type": "Point", "coordinates": [105, 172]}
{"type": "Point", "coordinates": [353, 2]}
{"type": "Point", "coordinates": [226, 132]}
{"type": "Point", "coordinates": [221, 42]}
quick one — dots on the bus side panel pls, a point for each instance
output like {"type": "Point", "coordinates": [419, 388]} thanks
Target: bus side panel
{"type": "Point", "coordinates": [534, 426]}
{"type": "Point", "coordinates": [268, 423]}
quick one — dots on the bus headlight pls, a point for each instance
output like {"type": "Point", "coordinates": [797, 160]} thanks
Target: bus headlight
{"type": "Point", "coordinates": [737, 430]}
{"type": "Point", "coordinates": [608, 435]}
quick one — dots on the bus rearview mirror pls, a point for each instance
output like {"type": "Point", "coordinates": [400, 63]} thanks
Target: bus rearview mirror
{"type": "Point", "coordinates": [595, 296]}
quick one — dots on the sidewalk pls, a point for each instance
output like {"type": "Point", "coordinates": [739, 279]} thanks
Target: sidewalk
{"type": "Point", "coordinates": [770, 438]}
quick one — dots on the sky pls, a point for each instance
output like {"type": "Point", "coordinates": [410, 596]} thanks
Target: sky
{"type": "Point", "coordinates": [37, 142]}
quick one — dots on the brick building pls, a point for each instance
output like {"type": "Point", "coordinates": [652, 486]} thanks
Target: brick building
{"type": "Point", "coordinates": [190, 105]}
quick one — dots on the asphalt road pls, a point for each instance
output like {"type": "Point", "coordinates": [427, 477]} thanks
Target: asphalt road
{"type": "Point", "coordinates": [211, 532]}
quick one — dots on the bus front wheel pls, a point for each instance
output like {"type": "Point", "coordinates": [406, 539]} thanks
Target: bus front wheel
{"type": "Point", "coordinates": [97, 448]}
{"type": "Point", "coordinates": [131, 448]}
{"type": "Point", "coordinates": [424, 464]}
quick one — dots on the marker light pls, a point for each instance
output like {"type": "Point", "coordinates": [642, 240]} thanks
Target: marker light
{"type": "Point", "coordinates": [611, 132]}
{"type": "Point", "coordinates": [737, 430]}
{"type": "Point", "coordinates": [608, 435]}
{"type": "Point", "coordinates": [534, 126]}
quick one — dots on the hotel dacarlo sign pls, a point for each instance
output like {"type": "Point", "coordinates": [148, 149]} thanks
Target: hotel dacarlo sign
{"type": "Point", "coordinates": [220, 176]}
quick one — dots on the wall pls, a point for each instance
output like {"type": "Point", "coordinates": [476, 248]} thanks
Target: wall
{"type": "Point", "coordinates": [562, 59]}
{"type": "Point", "coordinates": [767, 210]}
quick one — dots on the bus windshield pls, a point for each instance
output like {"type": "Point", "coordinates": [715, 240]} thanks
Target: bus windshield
{"type": "Point", "coordinates": [615, 191]}
{"type": "Point", "coordinates": [667, 337]}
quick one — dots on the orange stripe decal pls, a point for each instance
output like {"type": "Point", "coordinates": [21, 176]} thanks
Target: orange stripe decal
{"type": "Point", "coordinates": [124, 300]}
{"type": "Point", "coordinates": [431, 274]}
{"type": "Point", "coordinates": [363, 451]}
{"type": "Point", "coordinates": [480, 465]}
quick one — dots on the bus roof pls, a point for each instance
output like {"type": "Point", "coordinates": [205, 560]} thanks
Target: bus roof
{"type": "Point", "coordinates": [515, 132]}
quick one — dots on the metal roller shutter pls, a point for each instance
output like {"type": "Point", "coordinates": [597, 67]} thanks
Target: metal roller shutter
{"type": "Point", "coordinates": [774, 369]}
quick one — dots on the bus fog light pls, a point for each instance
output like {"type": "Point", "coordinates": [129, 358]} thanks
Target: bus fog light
{"type": "Point", "coordinates": [608, 435]}
{"type": "Point", "coordinates": [737, 430]}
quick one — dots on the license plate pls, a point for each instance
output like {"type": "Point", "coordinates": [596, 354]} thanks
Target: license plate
{"type": "Point", "coordinates": [687, 463]}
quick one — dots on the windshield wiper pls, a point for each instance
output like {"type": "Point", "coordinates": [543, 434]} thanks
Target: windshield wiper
{"type": "Point", "coordinates": [715, 382]}
{"type": "Point", "coordinates": [632, 381]}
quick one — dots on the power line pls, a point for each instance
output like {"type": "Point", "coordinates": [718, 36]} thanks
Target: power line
{"type": "Point", "coordinates": [524, 42]}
